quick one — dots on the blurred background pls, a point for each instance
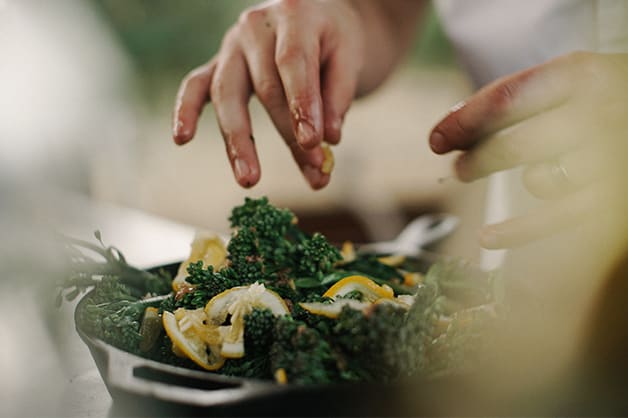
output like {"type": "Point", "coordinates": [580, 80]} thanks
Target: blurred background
{"type": "Point", "coordinates": [85, 114]}
{"type": "Point", "coordinates": [85, 119]}
{"type": "Point", "coordinates": [91, 86]}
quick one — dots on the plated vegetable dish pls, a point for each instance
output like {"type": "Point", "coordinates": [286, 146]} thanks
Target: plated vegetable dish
{"type": "Point", "coordinates": [280, 304]}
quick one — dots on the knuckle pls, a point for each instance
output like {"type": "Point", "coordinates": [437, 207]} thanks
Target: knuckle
{"type": "Point", "coordinates": [195, 74]}
{"type": "Point", "coordinates": [269, 91]}
{"type": "Point", "coordinates": [191, 76]}
{"type": "Point", "coordinates": [288, 54]}
{"type": "Point", "coordinates": [231, 39]}
{"type": "Point", "coordinates": [251, 17]}
{"type": "Point", "coordinates": [504, 95]}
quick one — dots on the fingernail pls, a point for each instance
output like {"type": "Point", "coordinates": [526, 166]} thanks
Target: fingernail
{"type": "Point", "coordinates": [333, 132]}
{"type": "Point", "coordinates": [438, 143]}
{"type": "Point", "coordinates": [180, 133]}
{"type": "Point", "coordinates": [305, 133]}
{"type": "Point", "coordinates": [241, 168]}
{"type": "Point", "coordinates": [312, 174]}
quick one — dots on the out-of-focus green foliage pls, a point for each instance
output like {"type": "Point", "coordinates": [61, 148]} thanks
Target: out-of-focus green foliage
{"type": "Point", "coordinates": [431, 48]}
{"type": "Point", "coordinates": [166, 38]}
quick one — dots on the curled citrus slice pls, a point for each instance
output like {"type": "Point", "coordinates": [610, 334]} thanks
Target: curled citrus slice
{"type": "Point", "coordinates": [242, 299]}
{"type": "Point", "coordinates": [402, 301]}
{"type": "Point", "coordinates": [206, 247]}
{"type": "Point", "coordinates": [412, 278]}
{"type": "Point", "coordinates": [333, 309]}
{"type": "Point", "coordinates": [394, 260]}
{"type": "Point", "coordinates": [190, 336]}
{"type": "Point", "coordinates": [280, 376]}
{"type": "Point", "coordinates": [328, 161]}
{"type": "Point", "coordinates": [232, 345]}
{"type": "Point", "coordinates": [347, 251]}
{"type": "Point", "coordinates": [238, 302]}
{"type": "Point", "coordinates": [369, 289]}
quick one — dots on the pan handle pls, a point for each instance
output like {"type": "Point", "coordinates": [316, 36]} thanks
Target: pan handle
{"type": "Point", "coordinates": [132, 374]}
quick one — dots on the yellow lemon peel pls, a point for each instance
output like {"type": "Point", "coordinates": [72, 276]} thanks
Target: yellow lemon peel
{"type": "Point", "coordinates": [237, 302]}
{"type": "Point", "coordinates": [182, 328]}
{"type": "Point", "coordinates": [369, 289]}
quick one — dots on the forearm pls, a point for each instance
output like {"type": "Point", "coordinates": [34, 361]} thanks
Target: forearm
{"type": "Point", "coordinates": [388, 29]}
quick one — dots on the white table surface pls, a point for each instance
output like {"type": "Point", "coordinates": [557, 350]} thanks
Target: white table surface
{"type": "Point", "coordinates": [45, 369]}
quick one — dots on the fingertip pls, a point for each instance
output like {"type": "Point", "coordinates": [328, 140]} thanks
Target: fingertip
{"type": "Point", "coordinates": [462, 168]}
{"type": "Point", "coordinates": [181, 133]}
{"type": "Point", "coordinates": [254, 175]}
{"type": "Point", "coordinates": [489, 238]}
{"type": "Point", "coordinates": [315, 178]}
{"type": "Point", "coordinates": [333, 131]}
{"type": "Point", "coordinates": [323, 181]}
{"type": "Point", "coordinates": [247, 183]}
{"type": "Point", "coordinates": [247, 174]}
{"type": "Point", "coordinates": [181, 138]}
{"type": "Point", "coordinates": [438, 143]}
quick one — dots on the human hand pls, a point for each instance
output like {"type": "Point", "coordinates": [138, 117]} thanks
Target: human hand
{"type": "Point", "coordinates": [565, 121]}
{"type": "Point", "coordinates": [302, 59]}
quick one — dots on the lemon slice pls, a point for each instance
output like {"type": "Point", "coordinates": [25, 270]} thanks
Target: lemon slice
{"type": "Point", "coordinates": [402, 301]}
{"type": "Point", "coordinates": [280, 376]}
{"type": "Point", "coordinates": [407, 300]}
{"type": "Point", "coordinates": [332, 310]}
{"type": "Point", "coordinates": [183, 332]}
{"type": "Point", "coordinates": [206, 247]}
{"type": "Point", "coordinates": [369, 289]}
{"type": "Point", "coordinates": [232, 345]}
{"type": "Point", "coordinates": [238, 302]}
{"type": "Point", "coordinates": [412, 278]}
{"type": "Point", "coordinates": [328, 161]}
{"type": "Point", "coordinates": [244, 298]}
{"type": "Point", "coordinates": [392, 260]}
{"type": "Point", "coordinates": [347, 251]}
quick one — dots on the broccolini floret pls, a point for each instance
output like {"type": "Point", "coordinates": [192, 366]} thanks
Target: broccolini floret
{"type": "Point", "coordinates": [303, 353]}
{"type": "Point", "coordinates": [259, 326]}
{"type": "Point", "coordinates": [316, 257]}
{"type": "Point", "coordinates": [268, 246]}
{"type": "Point", "coordinates": [373, 345]}
{"type": "Point", "coordinates": [113, 314]}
